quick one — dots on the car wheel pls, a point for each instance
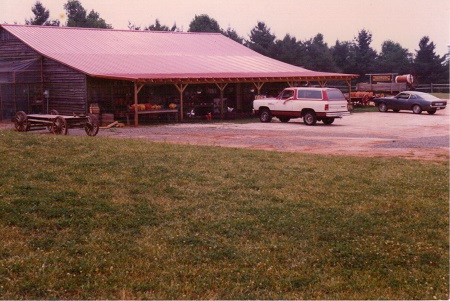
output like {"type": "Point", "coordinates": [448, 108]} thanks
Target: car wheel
{"type": "Point", "coordinates": [284, 119]}
{"type": "Point", "coordinates": [328, 120]}
{"type": "Point", "coordinates": [310, 118]}
{"type": "Point", "coordinates": [382, 107]}
{"type": "Point", "coordinates": [265, 115]}
{"type": "Point", "coordinates": [416, 109]}
{"type": "Point", "coordinates": [431, 112]}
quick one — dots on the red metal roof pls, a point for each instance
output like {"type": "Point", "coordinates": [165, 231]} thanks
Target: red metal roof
{"type": "Point", "coordinates": [157, 56]}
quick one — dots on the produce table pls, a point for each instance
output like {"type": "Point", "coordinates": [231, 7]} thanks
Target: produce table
{"type": "Point", "coordinates": [159, 112]}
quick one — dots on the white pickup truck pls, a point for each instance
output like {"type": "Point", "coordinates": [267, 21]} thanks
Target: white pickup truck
{"type": "Point", "coordinates": [311, 104]}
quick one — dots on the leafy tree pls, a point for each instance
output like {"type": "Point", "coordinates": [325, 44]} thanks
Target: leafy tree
{"type": "Point", "coordinates": [41, 16]}
{"type": "Point", "coordinates": [429, 67]}
{"type": "Point", "coordinates": [204, 23]}
{"type": "Point", "coordinates": [261, 39]}
{"type": "Point", "coordinates": [158, 27]}
{"type": "Point", "coordinates": [77, 16]}
{"type": "Point", "coordinates": [393, 58]}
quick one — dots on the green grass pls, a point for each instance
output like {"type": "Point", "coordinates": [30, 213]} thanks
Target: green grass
{"type": "Point", "coordinates": [102, 218]}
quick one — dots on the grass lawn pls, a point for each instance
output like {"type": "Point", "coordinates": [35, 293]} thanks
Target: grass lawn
{"type": "Point", "coordinates": [100, 218]}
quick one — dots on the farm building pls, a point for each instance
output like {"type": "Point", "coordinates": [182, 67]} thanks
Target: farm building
{"type": "Point", "coordinates": [73, 69]}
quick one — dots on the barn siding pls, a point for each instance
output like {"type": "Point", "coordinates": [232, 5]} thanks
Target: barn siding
{"type": "Point", "coordinates": [12, 48]}
{"type": "Point", "coordinates": [67, 86]}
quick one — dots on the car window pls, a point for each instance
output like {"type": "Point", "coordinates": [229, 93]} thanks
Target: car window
{"type": "Point", "coordinates": [287, 94]}
{"type": "Point", "coordinates": [403, 96]}
{"type": "Point", "coordinates": [310, 94]}
{"type": "Point", "coordinates": [335, 95]}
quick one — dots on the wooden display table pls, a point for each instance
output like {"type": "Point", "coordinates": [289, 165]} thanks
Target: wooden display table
{"type": "Point", "coordinates": [173, 112]}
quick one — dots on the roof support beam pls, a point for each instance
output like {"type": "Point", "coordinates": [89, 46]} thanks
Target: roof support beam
{"type": "Point", "coordinates": [181, 87]}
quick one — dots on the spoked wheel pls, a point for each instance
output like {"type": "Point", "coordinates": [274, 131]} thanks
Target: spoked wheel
{"type": "Point", "coordinates": [60, 126]}
{"type": "Point", "coordinates": [21, 122]}
{"type": "Point", "coordinates": [50, 127]}
{"type": "Point", "coordinates": [91, 126]}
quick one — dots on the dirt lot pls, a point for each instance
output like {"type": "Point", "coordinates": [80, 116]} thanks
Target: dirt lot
{"type": "Point", "coordinates": [406, 135]}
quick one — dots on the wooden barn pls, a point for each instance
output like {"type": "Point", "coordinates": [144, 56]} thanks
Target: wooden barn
{"type": "Point", "coordinates": [122, 72]}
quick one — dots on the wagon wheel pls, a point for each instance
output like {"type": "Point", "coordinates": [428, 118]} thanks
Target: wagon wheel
{"type": "Point", "coordinates": [21, 121]}
{"type": "Point", "coordinates": [91, 126]}
{"type": "Point", "coordinates": [50, 127]}
{"type": "Point", "coordinates": [60, 126]}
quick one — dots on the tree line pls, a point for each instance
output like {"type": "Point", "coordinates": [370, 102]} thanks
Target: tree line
{"type": "Point", "coordinates": [354, 57]}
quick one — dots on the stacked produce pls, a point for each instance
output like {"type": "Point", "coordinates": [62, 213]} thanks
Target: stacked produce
{"type": "Point", "coordinates": [146, 107]}
{"type": "Point", "coordinates": [149, 107]}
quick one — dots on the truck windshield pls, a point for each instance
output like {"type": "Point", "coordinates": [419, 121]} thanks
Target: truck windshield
{"type": "Point", "coordinates": [335, 95]}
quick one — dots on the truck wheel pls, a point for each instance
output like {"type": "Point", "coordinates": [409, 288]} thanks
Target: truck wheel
{"type": "Point", "coordinates": [310, 118]}
{"type": "Point", "coordinates": [382, 107]}
{"type": "Point", "coordinates": [265, 115]}
{"type": "Point", "coordinates": [328, 120]}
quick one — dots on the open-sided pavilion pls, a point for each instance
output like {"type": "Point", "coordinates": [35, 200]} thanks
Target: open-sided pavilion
{"type": "Point", "coordinates": [72, 57]}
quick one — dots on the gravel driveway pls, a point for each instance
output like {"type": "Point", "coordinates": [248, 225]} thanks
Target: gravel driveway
{"type": "Point", "coordinates": [401, 134]}
{"type": "Point", "coordinates": [406, 135]}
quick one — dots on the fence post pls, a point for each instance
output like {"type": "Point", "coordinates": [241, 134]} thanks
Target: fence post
{"type": "Point", "coordinates": [431, 85]}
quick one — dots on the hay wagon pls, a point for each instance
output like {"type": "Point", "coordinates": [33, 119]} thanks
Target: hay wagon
{"type": "Point", "coordinates": [55, 123]}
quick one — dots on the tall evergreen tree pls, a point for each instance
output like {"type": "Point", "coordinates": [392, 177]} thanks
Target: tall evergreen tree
{"type": "Point", "coordinates": [342, 53]}
{"type": "Point", "coordinates": [290, 51]}
{"type": "Point", "coordinates": [364, 56]}
{"type": "Point", "coordinates": [429, 67]}
{"type": "Point", "coordinates": [319, 55]}
{"type": "Point", "coordinates": [393, 58]}
{"type": "Point", "coordinates": [261, 39]}
{"type": "Point", "coordinates": [232, 34]}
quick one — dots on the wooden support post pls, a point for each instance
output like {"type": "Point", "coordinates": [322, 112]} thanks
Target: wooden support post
{"type": "Point", "coordinates": [322, 83]}
{"type": "Point", "coordinates": [349, 84]}
{"type": "Point", "coordinates": [137, 88]}
{"type": "Point", "coordinates": [181, 87]}
{"type": "Point", "coordinates": [221, 87]}
{"type": "Point", "coordinates": [259, 86]}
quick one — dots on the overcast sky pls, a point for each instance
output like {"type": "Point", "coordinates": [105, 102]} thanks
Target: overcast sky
{"type": "Point", "coordinates": [402, 21]}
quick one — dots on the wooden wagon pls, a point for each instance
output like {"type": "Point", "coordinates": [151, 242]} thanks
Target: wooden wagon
{"type": "Point", "coordinates": [55, 123]}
